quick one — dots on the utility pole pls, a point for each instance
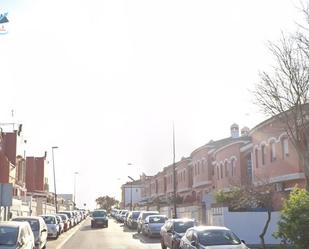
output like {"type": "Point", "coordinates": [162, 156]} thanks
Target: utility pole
{"type": "Point", "coordinates": [56, 202]}
{"type": "Point", "coordinates": [174, 174]}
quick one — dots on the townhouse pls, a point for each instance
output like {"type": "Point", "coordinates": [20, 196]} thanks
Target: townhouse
{"type": "Point", "coordinates": [261, 155]}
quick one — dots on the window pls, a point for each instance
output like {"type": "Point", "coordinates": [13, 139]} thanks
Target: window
{"type": "Point", "coordinates": [233, 169]}
{"type": "Point", "coordinates": [285, 147]}
{"type": "Point", "coordinates": [221, 170]}
{"type": "Point", "coordinates": [256, 158]}
{"type": "Point", "coordinates": [198, 168]}
{"type": "Point", "coordinates": [272, 151]}
{"type": "Point", "coordinates": [263, 154]}
{"type": "Point", "coordinates": [184, 175]}
{"type": "Point", "coordinates": [218, 172]}
{"type": "Point", "coordinates": [226, 170]}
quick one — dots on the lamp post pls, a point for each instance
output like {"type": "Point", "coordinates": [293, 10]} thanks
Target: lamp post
{"type": "Point", "coordinates": [56, 204]}
{"type": "Point", "coordinates": [132, 180]}
{"type": "Point", "coordinates": [75, 173]}
{"type": "Point", "coordinates": [174, 175]}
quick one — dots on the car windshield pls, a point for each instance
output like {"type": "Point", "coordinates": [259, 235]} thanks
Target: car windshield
{"type": "Point", "coordinates": [145, 215]}
{"type": "Point", "coordinates": [68, 214]}
{"type": "Point", "coordinates": [135, 215]}
{"type": "Point", "coordinates": [157, 219]}
{"type": "Point", "coordinates": [34, 224]}
{"type": "Point", "coordinates": [49, 219]}
{"type": "Point", "coordinates": [8, 236]}
{"type": "Point", "coordinates": [63, 216]}
{"type": "Point", "coordinates": [218, 237]}
{"type": "Point", "coordinates": [181, 227]}
{"type": "Point", "coordinates": [99, 214]}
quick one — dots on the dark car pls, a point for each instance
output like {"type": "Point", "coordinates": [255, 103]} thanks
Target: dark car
{"type": "Point", "coordinates": [99, 218]}
{"type": "Point", "coordinates": [173, 230]}
{"type": "Point", "coordinates": [211, 237]}
{"type": "Point", "coordinates": [132, 219]}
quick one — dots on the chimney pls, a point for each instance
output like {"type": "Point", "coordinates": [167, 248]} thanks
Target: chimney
{"type": "Point", "coordinates": [245, 131]}
{"type": "Point", "coordinates": [234, 130]}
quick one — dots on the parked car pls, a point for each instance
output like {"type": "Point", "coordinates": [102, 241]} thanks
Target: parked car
{"type": "Point", "coordinates": [70, 216]}
{"type": "Point", "coordinates": [66, 221]}
{"type": "Point", "coordinates": [52, 225]}
{"type": "Point", "coordinates": [125, 220]}
{"type": "Point", "coordinates": [123, 216]}
{"type": "Point", "coordinates": [60, 223]}
{"type": "Point", "coordinates": [173, 230]}
{"type": "Point", "coordinates": [208, 237]}
{"type": "Point", "coordinates": [152, 225]}
{"type": "Point", "coordinates": [38, 227]}
{"type": "Point", "coordinates": [141, 219]}
{"type": "Point", "coordinates": [99, 218]}
{"type": "Point", "coordinates": [14, 234]}
{"type": "Point", "coordinates": [132, 219]}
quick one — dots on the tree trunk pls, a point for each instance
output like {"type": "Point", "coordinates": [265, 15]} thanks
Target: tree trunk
{"type": "Point", "coordinates": [265, 229]}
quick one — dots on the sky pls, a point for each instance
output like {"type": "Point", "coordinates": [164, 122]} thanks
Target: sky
{"type": "Point", "coordinates": [105, 80]}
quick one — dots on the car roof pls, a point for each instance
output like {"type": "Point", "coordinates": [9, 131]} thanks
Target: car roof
{"type": "Point", "coordinates": [182, 220]}
{"type": "Point", "coordinates": [150, 212]}
{"type": "Point", "coordinates": [156, 215]}
{"type": "Point", "coordinates": [27, 218]}
{"type": "Point", "coordinates": [14, 224]}
{"type": "Point", "coordinates": [51, 215]}
{"type": "Point", "coordinates": [204, 228]}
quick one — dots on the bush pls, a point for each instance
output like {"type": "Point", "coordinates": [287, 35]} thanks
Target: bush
{"type": "Point", "coordinates": [293, 227]}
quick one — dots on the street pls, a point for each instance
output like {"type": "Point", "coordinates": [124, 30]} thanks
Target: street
{"type": "Point", "coordinates": [113, 237]}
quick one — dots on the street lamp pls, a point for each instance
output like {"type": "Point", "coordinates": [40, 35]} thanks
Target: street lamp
{"type": "Point", "coordinates": [75, 173]}
{"type": "Point", "coordinates": [56, 204]}
{"type": "Point", "coordinates": [132, 180]}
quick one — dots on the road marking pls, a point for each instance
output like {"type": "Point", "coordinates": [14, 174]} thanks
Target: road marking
{"type": "Point", "coordinates": [70, 235]}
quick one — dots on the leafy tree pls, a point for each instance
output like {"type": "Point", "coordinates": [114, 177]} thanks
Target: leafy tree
{"type": "Point", "coordinates": [249, 197]}
{"type": "Point", "coordinates": [293, 227]}
{"type": "Point", "coordinates": [106, 202]}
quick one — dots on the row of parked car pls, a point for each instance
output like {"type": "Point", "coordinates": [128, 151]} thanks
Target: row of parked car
{"type": "Point", "coordinates": [180, 233]}
{"type": "Point", "coordinates": [32, 232]}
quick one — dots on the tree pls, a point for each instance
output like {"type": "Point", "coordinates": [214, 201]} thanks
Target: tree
{"type": "Point", "coordinates": [249, 197]}
{"type": "Point", "coordinates": [293, 227]}
{"type": "Point", "coordinates": [106, 202]}
{"type": "Point", "coordinates": [282, 93]}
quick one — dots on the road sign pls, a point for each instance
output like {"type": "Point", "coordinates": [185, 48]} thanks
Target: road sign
{"type": "Point", "coordinates": [6, 194]}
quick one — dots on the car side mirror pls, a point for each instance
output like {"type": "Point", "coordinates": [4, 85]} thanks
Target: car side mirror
{"type": "Point", "coordinates": [169, 231]}
{"type": "Point", "coordinates": [243, 241]}
{"type": "Point", "coordinates": [44, 230]}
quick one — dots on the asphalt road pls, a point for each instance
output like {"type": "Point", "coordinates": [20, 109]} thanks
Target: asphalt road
{"type": "Point", "coordinates": [113, 237]}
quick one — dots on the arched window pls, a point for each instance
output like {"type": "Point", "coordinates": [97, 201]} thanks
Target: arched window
{"type": "Point", "coordinates": [218, 172]}
{"type": "Point", "coordinates": [233, 168]}
{"type": "Point", "coordinates": [263, 154]}
{"type": "Point", "coordinates": [221, 170]}
{"type": "Point", "coordinates": [226, 169]}
{"type": "Point", "coordinates": [272, 148]}
{"type": "Point", "coordinates": [285, 147]}
{"type": "Point", "coordinates": [256, 152]}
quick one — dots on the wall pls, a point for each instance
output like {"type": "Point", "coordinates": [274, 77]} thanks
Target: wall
{"type": "Point", "coordinates": [238, 222]}
{"type": "Point", "coordinates": [136, 195]}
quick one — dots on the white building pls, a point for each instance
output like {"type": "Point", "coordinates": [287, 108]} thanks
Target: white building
{"type": "Point", "coordinates": [131, 191]}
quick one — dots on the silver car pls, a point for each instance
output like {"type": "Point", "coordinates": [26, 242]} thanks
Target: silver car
{"type": "Point", "coordinates": [211, 237]}
{"type": "Point", "coordinates": [16, 235]}
{"type": "Point", "coordinates": [52, 225]}
{"type": "Point", "coordinates": [152, 225]}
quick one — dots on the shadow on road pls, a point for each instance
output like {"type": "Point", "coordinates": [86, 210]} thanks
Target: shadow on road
{"type": "Point", "coordinates": [145, 239]}
{"type": "Point", "coordinates": [88, 228]}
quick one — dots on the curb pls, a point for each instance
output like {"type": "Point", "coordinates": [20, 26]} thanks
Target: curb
{"type": "Point", "coordinates": [70, 235]}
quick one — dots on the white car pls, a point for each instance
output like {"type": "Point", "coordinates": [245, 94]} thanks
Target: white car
{"type": "Point", "coordinates": [52, 225]}
{"type": "Point", "coordinates": [211, 237]}
{"type": "Point", "coordinates": [15, 234]}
